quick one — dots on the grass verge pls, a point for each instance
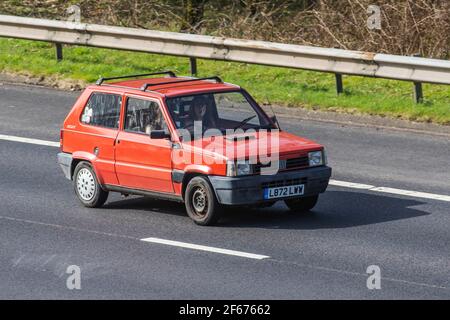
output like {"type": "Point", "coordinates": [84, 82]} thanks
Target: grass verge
{"type": "Point", "coordinates": [287, 87]}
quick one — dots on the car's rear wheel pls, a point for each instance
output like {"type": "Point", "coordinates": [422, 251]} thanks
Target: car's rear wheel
{"type": "Point", "coordinates": [201, 203]}
{"type": "Point", "coordinates": [86, 186]}
{"type": "Point", "coordinates": [302, 205]}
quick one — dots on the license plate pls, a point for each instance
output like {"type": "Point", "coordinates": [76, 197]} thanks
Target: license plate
{"type": "Point", "coordinates": [281, 192]}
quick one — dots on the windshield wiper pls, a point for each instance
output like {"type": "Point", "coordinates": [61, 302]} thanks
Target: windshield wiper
{"type": "Point", "coordinates": [244, 122]}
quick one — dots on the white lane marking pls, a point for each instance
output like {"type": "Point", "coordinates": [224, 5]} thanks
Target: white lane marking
{"type": "Point", "coordinates": [415, 194]}
{"type": "Point", "coordinates": [205, 248]}
{"type": "Point", "coordinates": [337, 183]}
{"type": "Point", "coordinates": [352, 185]}
{"type": "Point", "coordinates": [409, 193]}
{"type": "Point", "coordinates": [29, 140]}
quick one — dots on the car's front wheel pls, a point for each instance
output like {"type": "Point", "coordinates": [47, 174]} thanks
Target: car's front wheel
{"type": "Point", "coordinates": [201, 203]}
{"type": "Point", "coordinates": [86, 186]}
{"type": "Point", "coordinates": [302, 205]}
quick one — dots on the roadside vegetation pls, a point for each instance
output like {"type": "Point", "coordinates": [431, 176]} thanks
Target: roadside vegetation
{"type": "Point", "coordinates": [407, 27]}
{"type": "Point", "coordinates": [279, 86]}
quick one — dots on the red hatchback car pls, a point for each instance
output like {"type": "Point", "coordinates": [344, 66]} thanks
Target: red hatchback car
{"type": "Point", "coordinates": [195, 140]}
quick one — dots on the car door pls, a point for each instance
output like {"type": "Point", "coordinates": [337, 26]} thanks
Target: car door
{"type": "Point", "coordinates": [141, 162]}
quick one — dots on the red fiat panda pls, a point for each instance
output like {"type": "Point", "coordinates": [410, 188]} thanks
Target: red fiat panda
{"type": "Point", "coordinates": [195, 140]}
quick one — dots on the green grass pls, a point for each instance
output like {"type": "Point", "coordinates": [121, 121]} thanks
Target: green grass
{"type": "Point", "coordinates": [292, 88]}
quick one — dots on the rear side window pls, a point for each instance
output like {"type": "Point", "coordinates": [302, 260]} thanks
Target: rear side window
{"type": "Point", "coordinates": [103, 110]}
{"type": "Point", "coordinates": [143, 116]}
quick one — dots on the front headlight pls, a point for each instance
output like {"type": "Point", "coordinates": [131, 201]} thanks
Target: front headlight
{"type": "Point", "coordinates": [238, 168]}
{"type": "Point", "coordinates": [316, 158]}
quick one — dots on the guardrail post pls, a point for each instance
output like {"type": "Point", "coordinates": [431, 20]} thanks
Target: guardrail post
{"type": "Point", "coordinates": [59, 51]}
{"type": "Point", "coordinates": [339, 83]}
{"type": "Point", "coordinates": [193, 63]}
{"type": "Point", "coordinates": [418, 91]}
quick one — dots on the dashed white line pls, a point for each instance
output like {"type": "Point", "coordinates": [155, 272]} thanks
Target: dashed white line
{"type": "Point", "coordinates": [29, 140]}
{"type": "Point", "coordinates": [206, 248]}
{"type": "Point", "coordinates": [337, 183]}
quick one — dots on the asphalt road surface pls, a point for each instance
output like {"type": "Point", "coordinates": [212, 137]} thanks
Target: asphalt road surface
{"type": "Point", "coordinates": [44, 229]}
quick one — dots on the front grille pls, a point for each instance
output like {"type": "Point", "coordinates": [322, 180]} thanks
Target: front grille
{"type": "Point", "coordinates": [289, 164]}
{"type": "Point", "coordinates": [297, 162]}
{"type": "Point", "coordinates": [283, 183]}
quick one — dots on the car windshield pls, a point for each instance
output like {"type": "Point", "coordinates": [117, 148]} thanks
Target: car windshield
{"type": "Point", "coordinates": [221, 110]}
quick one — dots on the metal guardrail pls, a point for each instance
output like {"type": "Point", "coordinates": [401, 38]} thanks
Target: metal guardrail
{"type": "Point", "coordinates": [340, 62]}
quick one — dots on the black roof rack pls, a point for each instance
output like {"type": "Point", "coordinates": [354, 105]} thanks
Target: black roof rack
{"type": "Point", "coordinates": [215, 78]}
{"type": "Point", "coordinates": [170, 73]}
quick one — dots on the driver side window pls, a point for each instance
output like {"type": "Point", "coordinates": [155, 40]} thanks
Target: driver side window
{"type": "Point", "coordinates": [143, 116]}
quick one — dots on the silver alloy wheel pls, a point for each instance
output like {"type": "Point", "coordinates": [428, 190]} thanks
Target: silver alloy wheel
{"type": "Point", "coordinates": [85, 184]}
{"type": "Point", "coordinates": [200, 201]}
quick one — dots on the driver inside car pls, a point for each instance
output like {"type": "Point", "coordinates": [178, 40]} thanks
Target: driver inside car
{"type": "Point", "coordinates": [200, 111]}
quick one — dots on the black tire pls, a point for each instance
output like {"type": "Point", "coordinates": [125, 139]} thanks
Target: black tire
{"type": "Point", "coordinates": [86, 186]}
{"type": "Point", "coordinates": [201, 203]}
{"type": "Point", "coordinates": [302, 205]}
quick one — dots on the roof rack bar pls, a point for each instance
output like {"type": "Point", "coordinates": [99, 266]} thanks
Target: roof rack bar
{"type": "Point", "coordinates": [170, 73]}
{"type": "Point", "coordinates": [215, 78]}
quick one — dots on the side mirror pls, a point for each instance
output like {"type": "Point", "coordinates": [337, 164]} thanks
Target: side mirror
{"type": "Point", "coordinates": [159, 134]}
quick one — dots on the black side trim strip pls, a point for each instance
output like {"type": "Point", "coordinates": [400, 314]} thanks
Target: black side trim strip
{"type": "Point", "coordinates": [177, 176]}
{"type": "Point", "coordinates": [153, 194]}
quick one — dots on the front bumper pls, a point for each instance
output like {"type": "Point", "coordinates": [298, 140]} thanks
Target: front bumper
{"type": "Point", "coordinates": [249, 189]}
